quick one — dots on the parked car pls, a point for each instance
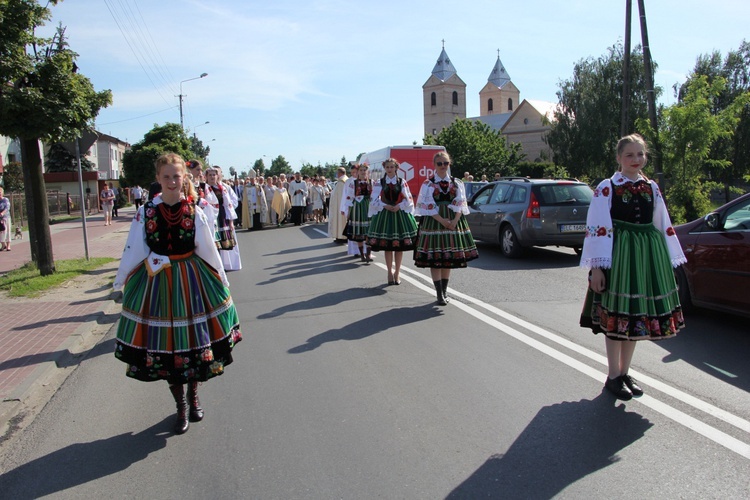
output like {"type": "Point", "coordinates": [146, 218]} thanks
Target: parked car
{"type": "Point", "coordinates": [517, 212]}
{"type": "Point", "coordinates": [472, 187]}
{"type": "Point", "coordinates": [717, 247]}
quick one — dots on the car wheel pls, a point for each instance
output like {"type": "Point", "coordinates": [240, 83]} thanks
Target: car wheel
{"type": "Point", "coordinates": [509, 245]}
{"type": "Point", "coordinates": [683, 289]}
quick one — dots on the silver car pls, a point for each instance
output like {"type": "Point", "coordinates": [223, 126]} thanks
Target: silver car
{"type": "Point", "coordinates": [517, 212]}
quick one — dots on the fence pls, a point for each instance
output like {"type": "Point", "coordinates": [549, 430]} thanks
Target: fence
{"type": "Point", "coordinates": [58, 203]}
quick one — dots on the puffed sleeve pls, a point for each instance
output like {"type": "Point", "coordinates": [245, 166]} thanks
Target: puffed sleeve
{"type": "Point", "coordinates": [407, 203]}
{"type": "Point", "coordinates": [376, 204]}
{"type": "Point", "coordinates": [205, 246]}
{"type": "Point", "coordinates": [135, 251]}
{"type": "Point", "coordinates": [597, 243]}
{"type": "Point", "coordinates": [426, 205]}
{"type": "Point", "coordinates": [663, 223]}
{"type": "Point", "coordinates": [348, 198]}
{"type": "Point", "coordinates": [459, 202]}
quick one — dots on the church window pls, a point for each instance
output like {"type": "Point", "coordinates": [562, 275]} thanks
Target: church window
{"type": "Point", "coordinates": [510, 104]}
{"type": "Point", "coordinates": [490, 107]}
{"type": "Point", "coordinates": [455, 98]}
{"type": "Point", "coordinates": [433, 99]}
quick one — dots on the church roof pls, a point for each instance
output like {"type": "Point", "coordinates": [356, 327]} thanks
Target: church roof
{"type": "Point", "coordinates": [444, 68]}
{"type": "Point", "coordinates": [496, 121]}
{"type": "Point", "coordinates": [499, 76]}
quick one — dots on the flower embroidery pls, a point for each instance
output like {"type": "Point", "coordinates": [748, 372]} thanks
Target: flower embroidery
{"type": "Point", "coordinates": [150, 212]}
{"type": "Point", "coordinates": [151, 226]}
{"type": "Point", "coordinates": [601, 231]}
{"type": "Point", "coordinates": [670, 231]}
{"type": "Point", "coordinates": [605, 191]}
{"type": "Point", "coordinates": [187, 224]}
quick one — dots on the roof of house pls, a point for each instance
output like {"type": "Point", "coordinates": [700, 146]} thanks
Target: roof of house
{"type": "Point", "coordinates": [499, 76]}
{"type": "Point", "coordinates": [496, 121]}
{"type": "Point", "coordinates": [444, 68]}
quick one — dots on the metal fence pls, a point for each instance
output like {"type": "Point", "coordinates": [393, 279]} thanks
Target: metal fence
{"type": "Point", "coordinates": [58, 203]}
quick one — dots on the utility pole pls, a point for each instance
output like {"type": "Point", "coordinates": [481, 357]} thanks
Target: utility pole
{"type": "Point", "coordinates": [203, 75]}
{"type": "Point", "coordinates": [625, 116]}
{"type": "Point", "coordinates": [656, 157]}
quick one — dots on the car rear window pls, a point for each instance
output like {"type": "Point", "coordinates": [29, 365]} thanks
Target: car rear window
{"type": "Point", "coordinates": [564, 194]}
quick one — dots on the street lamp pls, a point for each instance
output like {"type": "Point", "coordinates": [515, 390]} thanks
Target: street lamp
{"type": "Point", "coordinates": [194, 128]}
{"type": "Point", "coordinates": [203, 75]}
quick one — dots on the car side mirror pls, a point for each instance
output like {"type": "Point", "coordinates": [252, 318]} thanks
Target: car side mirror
{"type": "Point", "coordinates": [713, 221]}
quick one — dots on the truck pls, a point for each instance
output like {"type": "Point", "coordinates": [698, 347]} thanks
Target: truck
{"type": "Point", "coordinates": [416, 163]}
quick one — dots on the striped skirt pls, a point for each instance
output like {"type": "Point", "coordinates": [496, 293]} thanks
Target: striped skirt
{"type": "Point", "coordinates": [359, 222]}
{"type": "Point", "coordinates": [179, 325]}
{"type": "Point", "coordinates": [395, 231]}
{"type": "Point", "coordinates": [641, 300]}
{"type": "Point", "coordinates": [438, 247]}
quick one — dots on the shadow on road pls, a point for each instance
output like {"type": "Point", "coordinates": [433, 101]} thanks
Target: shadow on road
{"type": "Point", "coordinates": [81, 463]}
{"type": "Point", "coordinates": [325, 300]}
{"type": "Point", "coordinates": [563, 443]}
{"type": "Point", "coordinates": [372, 325]}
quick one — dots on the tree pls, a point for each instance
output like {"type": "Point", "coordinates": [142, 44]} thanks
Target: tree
{"type": "Point", "coordinates": [586, 123]}
{"type": "Point", "coordinates": [198, 151]}
{"type": "Point", "coordinates": [138, 162]}
{"type": "Point", "coordinates": [279, 165]}
{"type": "Point", "coordinates": [688, 130]}
{"type": "Point", "coordinates": [476, 148]}
{"type": "Point", "coordinates": [259, 166]}
{"type": "Point", "coordinates": [42, 97]}
{"type": "Point", "coordinates": [59, 159]}
{"type": "Point", "coordinates": [13, 177]}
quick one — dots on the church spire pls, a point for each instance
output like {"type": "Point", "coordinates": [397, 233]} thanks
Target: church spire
{"type": "Point", "coordinates": [499, 76]}
{"type": "Point", "coordinates": [444, 68]}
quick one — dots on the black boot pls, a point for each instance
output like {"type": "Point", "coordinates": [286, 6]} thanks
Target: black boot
{"type": "Point", "coordinates": [362, 254]}
{"type": "Point", "coordinates": [444, 281]}
{"type": "Point", "coordinates": [439, 289]}
{"type": "Point", "coordinates": [182, 424]}
{"type": "Point", "coordinates": [196, 412]}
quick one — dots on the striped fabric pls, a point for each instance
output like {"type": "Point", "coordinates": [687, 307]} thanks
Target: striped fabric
{"type": "Point", "coordinates": [438, 247]}
{"type": "Point", "coordinates": [392, 231]}
{"type": "Point", "coordinates": [359, 220]}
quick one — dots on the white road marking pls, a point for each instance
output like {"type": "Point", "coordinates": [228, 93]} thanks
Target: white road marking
{"type": "Point", "coordinates": [674, 414]}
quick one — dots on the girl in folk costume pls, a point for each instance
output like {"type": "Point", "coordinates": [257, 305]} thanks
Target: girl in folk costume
{"type": "Point", "coordinates": [178, 321]}
{"type": "Point", "coordinates": [220, 198]}
{"type": "Point", "coordinates": [356, 203]}
{"type": "Point", "coordinates": [444, 240]}
{"type": "Point", "coordinates": [631, 248]}
{"type": "Point", "coordinates": [392, 227]}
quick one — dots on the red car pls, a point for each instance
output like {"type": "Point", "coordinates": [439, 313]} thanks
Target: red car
{"type": "Point", "coordinates": [717, 247]}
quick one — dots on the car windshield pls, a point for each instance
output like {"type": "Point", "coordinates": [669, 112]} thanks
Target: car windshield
{"type": "Point", "coordinates": [564, 194]}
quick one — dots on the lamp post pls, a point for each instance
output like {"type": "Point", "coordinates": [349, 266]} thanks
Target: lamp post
{"type": "Point", "coordinates": [203, 75]}
{"type": "Point", "coordinates": [208, 151]}
{"type": "Point", "coordinates": [194, 129]}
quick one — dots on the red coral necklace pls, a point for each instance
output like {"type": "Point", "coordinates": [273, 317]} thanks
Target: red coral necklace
{"type": "Point", "coordinates": [173, 219]}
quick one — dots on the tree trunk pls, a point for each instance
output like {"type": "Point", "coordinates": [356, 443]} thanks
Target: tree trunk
{"type": "Point", "coordinates": [40, 239]}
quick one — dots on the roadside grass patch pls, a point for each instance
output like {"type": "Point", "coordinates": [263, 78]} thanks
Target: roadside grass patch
{"type": "Point", "coordinates": [27, 282]}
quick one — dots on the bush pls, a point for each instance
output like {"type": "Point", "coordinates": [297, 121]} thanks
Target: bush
{"type": "Point", "coordinates": [688, 201]}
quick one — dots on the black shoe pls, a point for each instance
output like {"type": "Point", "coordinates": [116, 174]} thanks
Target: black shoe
{"type": "Point", "coordinates": [618, 388]}
{"type": "Point", "coordinates": [632, 384]}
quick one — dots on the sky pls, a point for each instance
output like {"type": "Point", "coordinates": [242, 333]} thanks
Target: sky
{"type": "Point", "coordinates": [318, 80]}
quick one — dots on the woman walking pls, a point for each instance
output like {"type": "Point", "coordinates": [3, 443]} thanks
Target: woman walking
{"type": "Point", "coordinates": [356, 203]}
{"type": "Point", "coordinates": [108, 203]}
{"type": "Point", "coordinates": [178, 322]}
{"type": "Point", "coordinates": [5, 222]}
{"type": "Point", "coordinates": [444, 240]}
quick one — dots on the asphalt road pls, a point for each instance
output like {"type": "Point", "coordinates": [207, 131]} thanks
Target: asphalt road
{"type": "Point", "coordinates": [347, 388]}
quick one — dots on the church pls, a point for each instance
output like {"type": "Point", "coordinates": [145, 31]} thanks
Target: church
{"type": "Point", "coordinates": [522, 122]}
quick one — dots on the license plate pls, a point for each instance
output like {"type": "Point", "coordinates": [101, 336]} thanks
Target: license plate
{"type": "Point", "coordinates": [572, 228]}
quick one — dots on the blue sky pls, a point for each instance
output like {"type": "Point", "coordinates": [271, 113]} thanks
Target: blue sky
{"type": "Point", "coordinates": [317, 80]}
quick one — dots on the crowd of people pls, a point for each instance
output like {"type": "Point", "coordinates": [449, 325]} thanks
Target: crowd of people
{"type": "Point", "coordinates": [179, 323]}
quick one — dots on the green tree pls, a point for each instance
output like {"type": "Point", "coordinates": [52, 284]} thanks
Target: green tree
{"type": "Point", "coordinates": [198, 151]}
{"type": "Point", "coordinates": [476, 148]}
{"type": "Point", "coordinates": [138, 162]}
{"type": "Point", "coordinates": [13, 177]}
{"type": "Point", "coordinates": [730, 151]}
{"type": "Point", "coordinates": [688, 129]}
{"type": "Point", "coordinates": [59, 159]}
{"type": "Point", "coordinates": [259, 167]}
{"type": "Point", "coordinates": [42, 97]}
{"type": "Point", "coordinates": [279, 165]}
{"type": "Point", "coordinates": [586, 123]}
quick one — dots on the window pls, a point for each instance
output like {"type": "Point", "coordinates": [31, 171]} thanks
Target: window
{"type": "Point", "coordinates": [519, 195]}
{"type": "Point", "coordinates": [483, 197]}
{"type": "Point", "coordinates": [501, 193]}
{"type": "Point", "coordinates": [738, 218]}
{"type": "Point", "coordinates": [455, 98]}
{"type": "Point", "coordinates": [489, 105]}
{"type": "Point", "coordinates": [510, 104]}
{"type": "Point", "coordinates": [433, 99]}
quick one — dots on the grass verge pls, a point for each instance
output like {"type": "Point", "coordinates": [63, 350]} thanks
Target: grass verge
{"type": "Point", "coordinates": [27, 282]}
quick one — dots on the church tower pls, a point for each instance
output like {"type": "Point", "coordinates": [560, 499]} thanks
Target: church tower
{"type": "Point", "coordinates": [499, 95]}
{"type": "Point", "coordinates": [444, 95]}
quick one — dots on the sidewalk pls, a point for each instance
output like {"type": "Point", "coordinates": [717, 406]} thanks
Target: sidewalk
{"type": "Point", "coordinates": [43, 336]}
